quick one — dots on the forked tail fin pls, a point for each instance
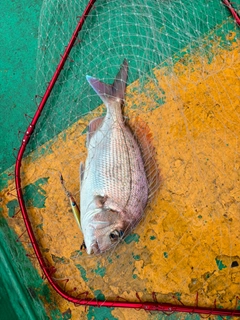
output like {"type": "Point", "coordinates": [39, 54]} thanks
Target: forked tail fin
{"type": "Point", "coordinates": [115, 91]}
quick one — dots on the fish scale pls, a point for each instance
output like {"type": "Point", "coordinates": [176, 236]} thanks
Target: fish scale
{"type": "Point", "coordinates": [109, 171]}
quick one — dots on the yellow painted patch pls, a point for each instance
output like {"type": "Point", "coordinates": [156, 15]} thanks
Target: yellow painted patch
{"type": "Point", "coordinates": [191, 233]}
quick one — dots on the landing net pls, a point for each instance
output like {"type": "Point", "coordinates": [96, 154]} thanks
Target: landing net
{"type": "Point", "coordinates": [182, 100]}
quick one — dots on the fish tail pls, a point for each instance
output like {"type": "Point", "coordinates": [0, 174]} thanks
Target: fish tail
{"type": "Point", "coordinates": [116, 91]}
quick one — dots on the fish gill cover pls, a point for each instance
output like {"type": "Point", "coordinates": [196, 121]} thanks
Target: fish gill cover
{"type": "Point", "coordinates": [181, 100]}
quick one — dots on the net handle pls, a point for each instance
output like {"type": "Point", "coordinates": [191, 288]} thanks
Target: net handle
{"type": "Point", "coordinates": [47, 270]}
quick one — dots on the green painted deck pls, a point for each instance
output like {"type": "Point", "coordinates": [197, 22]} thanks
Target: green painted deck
{"type": "Point", "coordinates": [216, 48]}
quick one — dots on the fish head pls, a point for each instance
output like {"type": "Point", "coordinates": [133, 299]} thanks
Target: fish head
{"type": "Point", "coordinates": [108, 228]}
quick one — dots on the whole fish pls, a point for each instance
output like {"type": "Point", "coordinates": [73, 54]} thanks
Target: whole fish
{"type": "Point", "coordinates": [114, 187]}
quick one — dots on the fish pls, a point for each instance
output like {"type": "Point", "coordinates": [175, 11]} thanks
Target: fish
{"type": "Point", "coordinates": [114, 186]}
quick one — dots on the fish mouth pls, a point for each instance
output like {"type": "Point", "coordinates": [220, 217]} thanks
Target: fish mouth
{"type": "Point", "coordinates": [94, 248]}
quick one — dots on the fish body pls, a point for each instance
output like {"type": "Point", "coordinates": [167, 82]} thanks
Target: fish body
{"type": "Point", "coordinates": [114, 188]}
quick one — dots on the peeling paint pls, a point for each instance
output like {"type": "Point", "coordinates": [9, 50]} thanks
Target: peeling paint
{"type": "Point", "coordinates": [100, 313]}
{"type": "Point", "coordinates": [132, 238]}
{"type": "Point", "coordinates": [67, 314]}
{"type": "Point", "coordinates": [4, 181]}
{"type": "Point", "coordinates": [101, 271]}
{"type": "Point", "coordinates": [12, 205]}
{"type": "Point", "coordinates": [83, 272]}
{"type": "Point", "coordinates": [220, 264]}
{"type": "Point", "coordinates": [34, 194]}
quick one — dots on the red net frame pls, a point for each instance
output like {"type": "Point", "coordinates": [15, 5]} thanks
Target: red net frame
{"type": "Point", "coordinates": [49, 270]}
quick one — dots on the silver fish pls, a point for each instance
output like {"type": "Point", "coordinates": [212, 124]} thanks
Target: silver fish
{"type": "Point", "coordinates": [114, 187]}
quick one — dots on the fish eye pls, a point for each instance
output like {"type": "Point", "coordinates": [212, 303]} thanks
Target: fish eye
{"type": "Point", "coordinates": [115, 235]}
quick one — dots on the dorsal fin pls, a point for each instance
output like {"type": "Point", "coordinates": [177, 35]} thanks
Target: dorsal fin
{"type": "Point", "coordinates": [144, 138]}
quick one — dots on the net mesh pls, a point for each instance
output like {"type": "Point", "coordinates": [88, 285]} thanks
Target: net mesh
{"type": "Point", "coordinates": [182, 100]}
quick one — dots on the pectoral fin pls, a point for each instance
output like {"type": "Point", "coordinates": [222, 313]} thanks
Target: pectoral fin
{"type": "Point", "coordinates": [99, 200]}
{"type": "Point", "coordinates": [82, 168]}
{"type": "Point", "coordinates": [93, 127]}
